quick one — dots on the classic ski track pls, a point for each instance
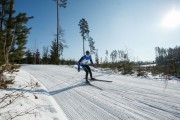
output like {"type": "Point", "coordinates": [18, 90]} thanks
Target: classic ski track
{"type": "Point", "coordinates": [164, 104]}
{"type": "Point", "coordinates": [77, 92]}
{"type": "Point", "coordinates": [106, 114]}
{"type": "Point", "coordinates": [123, 102]}
{"type": "Point", "coordinates": [89, 101]}
{"type": "Point", "coordinates": [118, 111]}
{"type": "Point", "coordinates": [97, 105]}
{"type": "Point", "coordinates": [133, 109]}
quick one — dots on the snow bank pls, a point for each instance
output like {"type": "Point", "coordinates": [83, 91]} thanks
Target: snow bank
{"type": "Point", "coordinates": [35, 100]}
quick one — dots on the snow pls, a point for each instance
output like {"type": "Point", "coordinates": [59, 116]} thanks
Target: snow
{"type": "Point", "coordinates": [43, 108]}
{"type": "Point", "coordinates": [63, 95]}
{"type": "Point", "coordinates": [148, 65]}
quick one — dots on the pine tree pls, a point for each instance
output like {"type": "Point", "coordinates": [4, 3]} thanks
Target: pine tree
{"type": "Point", "coordinates": [97, 57]}
{"type": "Point", "coordinates": [113, 56]}
{"type": "Point", "coordinates": [38, 59]}
{"type": "Point", "coordinates": [62, 43]}
{"type": "Point", "coordinates": [91, 45]}
{"type": "Point", "coordinates": [168, 60]}
{"type": "Point", "coordinates": [59, 3]}
{"type": "Point", "coordinates": [84, 30]}
{"type": "Point", "coordinates": [45, 58]}
{"type": "Point", "coordinates": [54, 55]}
{"type": "Point", "coordinates": [54, 58]}
{"type": "Point", "coordinates": [29, 57]}
{"type": "Point", "coordinates": [106, 58]}
{"type": "Point", "coordinates": [13, 32]}
{"type": "Point", "coordinates": [7, 25]}
{"type": "Point", "coordinates": [21, 39]}
{"type": "Point", "coordinates": [3, 17]}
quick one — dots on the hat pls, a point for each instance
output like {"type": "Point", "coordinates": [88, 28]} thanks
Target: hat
{"type": "Point", "coordinates": [87, 52]}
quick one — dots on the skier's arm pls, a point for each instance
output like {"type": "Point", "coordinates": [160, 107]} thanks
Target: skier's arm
{"type": "Point", "coordinates": [92, 62]}
{"type": "Point", "coordinates": [79, 63]}
{"type": "Point", "coordinates": [80, 59]}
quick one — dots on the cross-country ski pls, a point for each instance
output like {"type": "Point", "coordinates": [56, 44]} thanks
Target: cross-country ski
{"type": "Point", "coordinates": [100, 80]}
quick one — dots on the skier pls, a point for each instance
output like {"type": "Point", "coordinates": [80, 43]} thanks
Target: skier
{"type": "Point", "coordinates": [83, 62]}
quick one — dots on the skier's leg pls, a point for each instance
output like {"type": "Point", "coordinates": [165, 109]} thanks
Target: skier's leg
{"type": "Point", "coordinates": [89, 70]}
{"type": "Point", "coordinates": [86, 70]}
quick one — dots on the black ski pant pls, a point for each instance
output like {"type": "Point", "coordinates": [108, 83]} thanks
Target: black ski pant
{"type": "Point", "coordinates": [87, 69]}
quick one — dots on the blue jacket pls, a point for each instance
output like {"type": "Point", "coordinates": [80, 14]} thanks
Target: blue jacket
{"type": "Point", "coordinates": [85, 60]}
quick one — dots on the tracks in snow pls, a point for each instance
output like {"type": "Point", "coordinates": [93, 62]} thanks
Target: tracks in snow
{"type": "Point", "coordinates": [125, 98]}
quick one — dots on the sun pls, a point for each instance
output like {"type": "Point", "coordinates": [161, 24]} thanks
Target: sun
{"type": "Point", "coordinates": [172, 19]}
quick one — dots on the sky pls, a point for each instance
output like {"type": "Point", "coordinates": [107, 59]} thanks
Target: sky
{"type": "Point", "coordinates": [136, 26]}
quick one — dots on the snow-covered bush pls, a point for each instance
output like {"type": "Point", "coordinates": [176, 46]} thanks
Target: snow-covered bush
{"type": "Point", "coordinates": [6, 77]}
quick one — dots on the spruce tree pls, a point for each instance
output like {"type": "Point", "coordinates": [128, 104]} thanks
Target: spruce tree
{"type": "Point", "coordinates": [45, 57]}
{"type": "Point", "coordinates": [54, 58]}
{"type": "Point", "coordinates": [29, 57]}
{"type": "Point", "coordinates": [37, 56]}
{"type": "Point", "coordinates": [54, 55]}
{"type": "Point", "coordinates": [13, 32]}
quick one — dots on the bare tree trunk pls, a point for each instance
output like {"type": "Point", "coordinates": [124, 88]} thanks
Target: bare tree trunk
{"type": "Point", "coordinates": [5, 50]}
{"type": "Point", "coordinates": [8, 48]}
{"type": "Point", "coordinates": [83, 47]}
{"type": "Point", "coordinates": [57, 28]}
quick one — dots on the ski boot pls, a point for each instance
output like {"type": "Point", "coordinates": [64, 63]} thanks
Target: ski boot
{"type": "Point", "coordinates": [87, 82]}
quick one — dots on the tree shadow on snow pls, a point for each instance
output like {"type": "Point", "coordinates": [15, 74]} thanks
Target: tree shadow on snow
{"type": "Point", "coordinates": [25, 90]}
{"type": "Point", "coordinates": [43, 91]}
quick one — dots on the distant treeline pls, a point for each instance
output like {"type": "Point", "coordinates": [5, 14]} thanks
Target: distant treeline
{"type": "Point", "coordinates": [35, 58]}
{"type": "Point", "coordinates": [168, 60]}
{"type": "Point", "coordinates": [167, 63]}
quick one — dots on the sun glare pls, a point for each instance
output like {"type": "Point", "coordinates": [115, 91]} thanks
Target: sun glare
{"type": "Point", "coordinates": [172, 19]}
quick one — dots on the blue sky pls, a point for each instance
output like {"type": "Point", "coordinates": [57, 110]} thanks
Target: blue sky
{"type": "Point", "coordinates": [133, 25]}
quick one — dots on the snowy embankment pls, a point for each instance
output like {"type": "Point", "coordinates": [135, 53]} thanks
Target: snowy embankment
{"type": "Point", "coordinates": [125, 98]}
{"type": "Point", "coordinates": [29, 101]}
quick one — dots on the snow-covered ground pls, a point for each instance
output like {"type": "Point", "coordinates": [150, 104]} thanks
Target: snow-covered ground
{"type": "Point", "coordinates": [125, 98]}
{"type": "Point", "coordinates": [32, 104]}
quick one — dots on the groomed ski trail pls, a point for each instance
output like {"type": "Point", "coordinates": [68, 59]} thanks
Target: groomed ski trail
{"type": "Point", "coordinates": [126, 98]}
